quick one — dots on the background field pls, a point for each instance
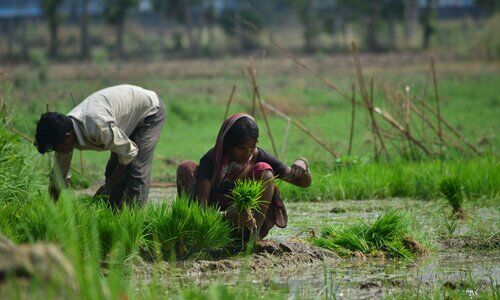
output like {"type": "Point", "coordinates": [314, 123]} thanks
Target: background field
{"type": "Point", "coordinates": [196, 91]}
{"type": "Point", "coordinates": [179, 250]}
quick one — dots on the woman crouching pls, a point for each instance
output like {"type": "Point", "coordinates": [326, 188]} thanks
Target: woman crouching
{"type": "Point", "coordinates": [236, 156]}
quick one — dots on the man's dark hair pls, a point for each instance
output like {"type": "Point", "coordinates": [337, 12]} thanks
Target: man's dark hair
{"type": "Point", "coordinates": [51, 130]}
{"type": "Point", "coordinates": [242, 130]}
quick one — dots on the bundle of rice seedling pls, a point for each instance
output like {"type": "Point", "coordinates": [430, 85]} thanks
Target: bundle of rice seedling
{"type": "Point", "coordinates": [389, 234]}
{"type": "Point", "coordinates": [185, 229]}
{"type": "Point", "coordinates": [246, 196]}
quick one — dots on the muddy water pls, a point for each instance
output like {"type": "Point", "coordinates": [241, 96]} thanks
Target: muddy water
{"type": "Point", "coordinates": [454, 261]}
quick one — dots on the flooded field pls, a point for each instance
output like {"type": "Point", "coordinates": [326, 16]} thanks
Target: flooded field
{"type": "Point", "coordinates": [464, 255]}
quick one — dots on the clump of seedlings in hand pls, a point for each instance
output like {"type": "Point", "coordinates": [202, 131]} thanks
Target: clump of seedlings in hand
{"type": "Point", "coordinates": [246, 196]}
{"type": "Point", "coordinates": [453, 190]}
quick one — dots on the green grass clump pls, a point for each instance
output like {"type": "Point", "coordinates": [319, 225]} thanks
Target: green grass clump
{"type": "Point", "coordinates": [453, 190]}
{"type": "Point", "coordinates": [18, 178]}
{"type": "Point", "coordinates": [390, 233]}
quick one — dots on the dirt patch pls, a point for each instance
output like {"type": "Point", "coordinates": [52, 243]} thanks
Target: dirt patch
{"type": "Point", "coordinates": [268, 254]}
{"type": "Point", "coordinates": [478, 243]}
{"type": "Point", "coordinates": [414, 246]}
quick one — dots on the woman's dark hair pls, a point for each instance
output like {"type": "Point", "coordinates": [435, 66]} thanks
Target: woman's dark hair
{"type": "Point", "coordinates": [51, 130]}
{"type": "Point", "coordinates": [242, 130]}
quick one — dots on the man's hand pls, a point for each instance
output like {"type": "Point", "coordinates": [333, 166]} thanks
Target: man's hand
{"type": "Point", "coordinates": [103, 191]}
{"type": "Point", "coordinates": [54, 192]}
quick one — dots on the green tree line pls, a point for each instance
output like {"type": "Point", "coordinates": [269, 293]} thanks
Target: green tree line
{"type": "Point", "coordinates": [244, 21]}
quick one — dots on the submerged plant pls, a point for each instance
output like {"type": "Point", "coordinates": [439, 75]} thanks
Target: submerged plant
{"type": "Point", "coordinates": [453, 190]}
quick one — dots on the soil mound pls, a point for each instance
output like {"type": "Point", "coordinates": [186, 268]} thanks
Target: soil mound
{"type": "Point", "coordinates": [268, 254]}
{"type": "Point", "coordinates": [44, 263]}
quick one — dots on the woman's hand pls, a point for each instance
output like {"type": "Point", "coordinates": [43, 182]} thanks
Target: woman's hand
{"type": "Point", "coordinates": [299, 168]}
{"type": "Point", "coordinates": [299, 173]}
{"type": "Point", "coordinates": [242, 219]}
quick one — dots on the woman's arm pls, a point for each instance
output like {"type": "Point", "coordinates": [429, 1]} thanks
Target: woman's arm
{"type": "Point", "coordinates": [203, 187]}
{"type": "Point", "coordinates": [298, 174]}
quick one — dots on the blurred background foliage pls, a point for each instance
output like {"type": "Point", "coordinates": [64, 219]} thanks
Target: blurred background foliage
{"type": "Point", "coordinates": [171, 29]}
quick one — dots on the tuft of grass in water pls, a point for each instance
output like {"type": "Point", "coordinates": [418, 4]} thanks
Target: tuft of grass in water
{"type": "Point", "coordinates": [390, 233]}
{"type": "Point", "coordinates": [453, 190]}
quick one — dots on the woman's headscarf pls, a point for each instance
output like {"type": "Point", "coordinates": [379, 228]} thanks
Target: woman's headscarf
{"type": "Point", "coordinates": [220, 160]}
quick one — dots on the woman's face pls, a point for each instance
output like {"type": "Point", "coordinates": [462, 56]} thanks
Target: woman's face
{"type": "Point", "coordinates": [243, 152]}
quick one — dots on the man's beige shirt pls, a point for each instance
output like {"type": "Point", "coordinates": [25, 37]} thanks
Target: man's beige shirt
{"type": "Point", "coordinates": [106, 119]}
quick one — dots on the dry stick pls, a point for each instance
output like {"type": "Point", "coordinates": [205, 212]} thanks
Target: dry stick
{"type": "Point", "coordinates": [251, 70]}
{"type": "Point", "coordinates": [229, 101]}
{"type": "Point", "coordinates": [305, 130]}
{"type": "Point", "coordinates": [451, 128]}
{"type": "Point", "coordinates": [407, 117]}
{"type": "Point", "coordinates": [81, 155]}
{"type": "Point", "coordinates": [306, 68]}
{"type": "Point", "coordinates": [401, 129]}
{"type": "Point", "coordinates": [368, 101]}
{"type": "Point", "coordinates": [387, 117]}
{"type": "Point", "coordinates": [285, 138]}
{"type": "Point", "coordinates": [436, 131]}
{"type": "Point", "coordinates": [434, 79]}
{"type": "Point", "coordinates": [427, 75]}
{"type": "Point", "coordinates": [374, 126]}
{"type": "Point", "coordinates": [353, 114]}
{"type": "Point", "coordinates": [287, 129]}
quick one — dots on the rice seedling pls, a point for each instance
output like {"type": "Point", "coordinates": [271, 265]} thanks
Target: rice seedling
{"type": "Point", "coordinates": [186, 229]}
{"type": "Point", "coordinates": [390, 233]}
{"type": "Point", "coordinates": [18, 178]}
{"type": "Point", "coordinates": [420, 180]}
{"type": "Point", "coordinates": [453, 190]}
{"type": "Point", "coordinates": [246, 196]}
{"type": "Point", "coordinates": [449, 225]}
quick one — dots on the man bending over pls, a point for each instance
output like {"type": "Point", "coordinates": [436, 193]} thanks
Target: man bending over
{"type": "Point", "coordinates": [124, 119]}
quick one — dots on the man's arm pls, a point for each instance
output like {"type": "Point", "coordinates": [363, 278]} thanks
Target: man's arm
{"type": "Point", "coordinates": [60, 174]}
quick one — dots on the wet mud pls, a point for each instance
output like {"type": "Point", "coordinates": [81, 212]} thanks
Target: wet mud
{"type": "Point", "coordinates": [466, 259]}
